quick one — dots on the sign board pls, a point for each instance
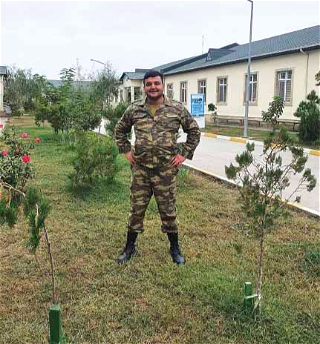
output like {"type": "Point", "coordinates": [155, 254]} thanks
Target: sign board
{"type": "Point", "coordinates": [197, 108]}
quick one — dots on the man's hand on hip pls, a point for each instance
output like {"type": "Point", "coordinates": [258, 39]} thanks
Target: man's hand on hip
{"type": "Point", "coordinates": [177, 160]}
{"type": "Point", "coordinates": [130, 158]}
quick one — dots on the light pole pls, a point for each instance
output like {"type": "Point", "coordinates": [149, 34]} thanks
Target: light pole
{"type": "Point", "coordinates": [245, 129]}
{"type": "Point", "coordinates": [105, 67]}
{"type": "Point", "coordinates": [103, 63]}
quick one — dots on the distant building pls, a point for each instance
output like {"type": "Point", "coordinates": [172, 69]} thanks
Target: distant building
{"type": "Point", "coordinates": [282, 65]}
{"type": "Point", "coordinates": [57, 83]}
{"type": "Point", "coordinates": [131, 85]}
{"type": "Point", "coordinates": [3, 73]}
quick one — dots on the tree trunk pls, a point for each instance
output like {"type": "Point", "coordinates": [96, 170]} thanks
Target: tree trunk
{"type": "Point", "coordinates": [259, 285]}
{"type": "Point", "coordinates": [52, 266]}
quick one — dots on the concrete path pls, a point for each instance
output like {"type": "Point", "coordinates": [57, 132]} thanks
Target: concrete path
{"type": "Point", "coordinates": [213, 154]}
{"type": "Point", "coordinates": [3, 120]}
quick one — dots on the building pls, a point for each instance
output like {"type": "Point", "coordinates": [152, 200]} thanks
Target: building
{"type": "Point", "coordinates": [3, 73]}
{"type": "Point", "coordinates": [131, 85]}
{"type": "Point", "coordinates": [282, 65]}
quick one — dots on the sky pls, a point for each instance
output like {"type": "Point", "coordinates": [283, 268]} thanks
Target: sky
{"type": "Point", "coordinates": [47, 36]}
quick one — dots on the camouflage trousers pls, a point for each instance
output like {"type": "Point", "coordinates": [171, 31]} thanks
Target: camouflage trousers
{"type": "Point", "coordinates": [160, 182]}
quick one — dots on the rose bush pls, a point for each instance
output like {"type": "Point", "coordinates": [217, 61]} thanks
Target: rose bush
{"type": "Point", "coordinates": [15, 162]}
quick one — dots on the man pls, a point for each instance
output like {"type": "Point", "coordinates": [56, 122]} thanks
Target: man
{"type": "Point", "coordinates": [155, 159]}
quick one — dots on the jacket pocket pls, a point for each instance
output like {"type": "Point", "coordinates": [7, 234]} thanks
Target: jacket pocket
{"type": "Point", "coordinates": [172, 121]}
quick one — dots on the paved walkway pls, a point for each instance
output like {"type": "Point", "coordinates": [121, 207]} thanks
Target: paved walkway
{"type": "Point", "coordinates": [3, 120]}
{"type": "Point", "coordinates": [213, 154]}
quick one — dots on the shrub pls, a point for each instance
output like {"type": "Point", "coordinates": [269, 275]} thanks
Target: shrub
{"type": "Point", "coordinates": [212, 107]}
{"type": "Point", "coordinates": [113, 115]}
{"type": "Point", "coordinates": [309, 113]}
{"type": "Point", "coordinates": [96, 157]}
{"type": "Point", "coordinates": [15, 166]}
{"type": "Point", "coordinates": [85, 113]}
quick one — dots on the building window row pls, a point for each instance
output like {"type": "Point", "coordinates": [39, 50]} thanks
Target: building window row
{"type": "Point", "coordinates": [170, 91]}
{"type": "Point", "coordinates": [183, 92]}
{"type": "Point", "coordinates": [283, 88]}
{"type": "Point", "coordinates": [202, 88]}
{"type": "Point", "coordinates": [253, 83]}
{"type": "Point", "coordinates": [222, 90]}
{"type": "Point", "coordinates": [284, 85]}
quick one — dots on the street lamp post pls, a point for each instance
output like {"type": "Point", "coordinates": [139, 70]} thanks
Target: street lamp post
{"type": "Point", "coordinates": [103, 63]}
{"type": "Point", "coordinates": [245, 129]}
{"type": "Point", "coordinates": [104, 102]}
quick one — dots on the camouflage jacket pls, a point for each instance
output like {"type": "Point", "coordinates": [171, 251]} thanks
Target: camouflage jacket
{"type": "Point", "coordinates": [156, 136]}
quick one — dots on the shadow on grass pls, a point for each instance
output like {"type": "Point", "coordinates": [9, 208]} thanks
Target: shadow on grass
{"type": "Point", "coordinates": [103, 190]}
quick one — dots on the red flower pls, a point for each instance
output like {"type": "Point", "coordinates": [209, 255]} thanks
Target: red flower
{"type": "Point", "coordinates": [4, 153]}
{"type": "Point", "coordinates": [38, 140]}
{"type": "Point", "coordinates": [24, 135]}
{"type": "Point", "coordinates": [1, 126]}
{"type": "Point", "coordinates": [25, 158]}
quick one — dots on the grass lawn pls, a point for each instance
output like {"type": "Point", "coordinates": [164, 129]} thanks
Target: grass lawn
{"type": "Point", "coordinates": [254, 134]}
{"type": "Point", "coordinates": [150, 300]}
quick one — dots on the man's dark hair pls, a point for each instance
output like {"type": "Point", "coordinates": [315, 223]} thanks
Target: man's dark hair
{"type": "Point", "coordinates": [152, 74]}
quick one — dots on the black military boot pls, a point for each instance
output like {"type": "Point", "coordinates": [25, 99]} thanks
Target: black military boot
{"type": "Point", "coordinates": [175, 252]}
{"type": "Point", "coordinates": [129, 249]}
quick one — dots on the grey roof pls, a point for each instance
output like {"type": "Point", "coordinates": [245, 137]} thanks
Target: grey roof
{"type": "Point", "coordinates": [3, 70]}
{"type": "Point", "coordinates": [175, 64]}
{"type": "Point", "coordinates": [57, 83]}
{"type": "Point", "coordinates": [139, 73]}
{"type": "Point", "coordinates": [308, 38]}
{"type": "Point", "coordinates": [140, 70]}
{"type": "Point", "coordinates": [133, 75]}
{"type": "Point", "coordinates": [214, 54]}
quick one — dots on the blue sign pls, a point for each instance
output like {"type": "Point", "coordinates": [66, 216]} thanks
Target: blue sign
{"type": "Point", "coordinates": [197, 104]}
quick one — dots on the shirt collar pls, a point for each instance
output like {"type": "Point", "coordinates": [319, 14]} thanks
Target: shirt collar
{"type": "Point", "coordinates": [166, 101]}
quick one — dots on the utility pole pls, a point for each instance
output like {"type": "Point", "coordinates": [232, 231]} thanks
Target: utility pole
{"type": "Point", "coordinates": [246, 115]}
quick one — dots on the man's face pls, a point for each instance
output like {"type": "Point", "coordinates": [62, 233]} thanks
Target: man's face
{"type": "Point", "coordinates": [153, 87]}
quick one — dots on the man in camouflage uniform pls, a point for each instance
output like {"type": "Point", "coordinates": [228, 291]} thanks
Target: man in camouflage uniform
{"type": "Point", "coordinates": [155, 159]}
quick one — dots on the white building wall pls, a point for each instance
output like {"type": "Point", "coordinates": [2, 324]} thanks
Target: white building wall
{"type": "Point", "coordinates": [132, 84]}
{"type": "Point", "coordinates": [1, 92]}
{"type": "Point", "coordinates": [266, 70]}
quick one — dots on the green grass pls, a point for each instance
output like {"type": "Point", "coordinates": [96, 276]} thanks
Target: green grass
{"type": "Point", "coordinates": [150, 300]}
{"type": "Point", "coordinates": [253, 134]}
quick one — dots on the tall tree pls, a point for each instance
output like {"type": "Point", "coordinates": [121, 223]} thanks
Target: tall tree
{"type": "Point", "coordinates": [105, 85]}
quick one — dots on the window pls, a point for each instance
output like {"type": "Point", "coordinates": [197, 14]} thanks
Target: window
{"type": "Point", "coordinates": [202, 88]}
{"type": "Point", "coordinates": [183, 92]}
{"type": "Point", "coordinates": [170, 91]}
{"type": "Point", "coordinates": [137, 93]}
{"type": "Point", "coordinates": [284, 85]}
{"type": "Point", "coordinates": [222, 90]}
{"type": "Point", "coordinates": [253, 83]}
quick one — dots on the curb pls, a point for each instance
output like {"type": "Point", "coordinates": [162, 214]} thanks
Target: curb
{"type": "Point", "coordinates": [293, 205]}
{"type": "Point", "coordinates": [257, 143]}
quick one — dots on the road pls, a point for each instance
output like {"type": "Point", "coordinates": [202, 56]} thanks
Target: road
{"type": "Point", "coordinates": [213, 154]}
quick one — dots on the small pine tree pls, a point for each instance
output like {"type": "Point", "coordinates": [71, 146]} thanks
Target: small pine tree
{"type": "Point", "coordinates": [263, 181]}
{"type": "Point", "coordinates": [113, 115]}
{"type": "Point", "coordinates": [309, 113]}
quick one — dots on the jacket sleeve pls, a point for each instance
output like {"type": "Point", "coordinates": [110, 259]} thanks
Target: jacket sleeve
{"type": "Point", "coordinates": [191, 128]}
{"type": "Point", "coordinates": [122, 129]}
